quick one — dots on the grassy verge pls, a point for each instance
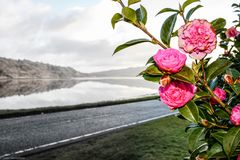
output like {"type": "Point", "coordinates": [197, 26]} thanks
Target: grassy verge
{"type": "Point", "coordinates": [34, 111]}
{"type": "Point", "coordinates": [162, 139]}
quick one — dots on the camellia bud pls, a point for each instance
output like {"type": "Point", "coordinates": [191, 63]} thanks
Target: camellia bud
{"type": "Point", "coordinates": [165, 80]}
{"type": "Point", "coordinates": [204, 122]}
{"type": "Point", "coordinates": [228, 78]}
{"type": "Point", "coordinates": [200, 158]}
{"type": "Point", "coordinates": [232, 32]}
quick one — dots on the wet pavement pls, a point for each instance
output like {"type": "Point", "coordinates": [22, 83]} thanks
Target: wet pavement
{"type": "Point", "coordinates": [31, 131]}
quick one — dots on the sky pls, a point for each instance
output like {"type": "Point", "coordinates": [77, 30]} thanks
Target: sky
{"type": "Point", "coordinates": [78, 33]}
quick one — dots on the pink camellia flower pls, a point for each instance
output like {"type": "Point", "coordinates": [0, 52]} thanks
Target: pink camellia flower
{"type": "Point", "coordinates": [232, 32]}
{"type": "Point", "coordinates": [235, 117]}
{"type": "Point", "coordinates": [238, 158]}
{"type": "Point", "coordinates": [220, 93]}
{"type": "Point", "coordinates": [176, 94]}
{"type": "Point", "coordinates": [197, 38]}
{"type": "Point", "coordinates": [170, 60]}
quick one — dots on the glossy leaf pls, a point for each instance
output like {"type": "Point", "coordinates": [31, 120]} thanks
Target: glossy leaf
{"type": "Point", "coordinates": [129, 14]}
{"type": "Point", "coordinates": [201, 95]}
{"type": "Point", "coordinates": [217, 67]}
{"type": "Point", "coordinates": [150, 60]}
{"type": "Point", "coordinates": [215, 149]}
{"type": "Point", "coordinates": [190, 112]}
{"type": "Point", "coordinates": [167, 29]}
{"type": "Point", "coordinates": [167, 10]}
{"type": "Point", "coordinates": [130, 43]}
{"type": "Point", "coordinates": [236, 88]}
{"type": "Point", "coordinates": [151, 78]}
{"type": "Point", "coordinates": [200, 149]}
{"type": "Point", "coordinates": [213, 83]}
{"type": "Point", "coordinates": [233, 72]}
{"type": "Point", "coordinates": [191, 11]}
{"type": "Point", "coordinates": [195, 137]}
{"type": "Point", "coordinates": [142, 14]}
{"type": "Point", "coordinates": [219, 135]}
{"type": "Point", "coordinates": [218, 24]}
{"type": "Point", "coordinates": [222, 114]}
{"type": "Point", "coordinates": [191, 125]}
{"type": "Point", "coordinates": [130, 2]}
{"type": "Point", "coordinates": [153, 70]}
{"type": "Point", "coordinates": [186, 75]}
{"type": "Point", "coordinates": [116, 18]}
{"type": "Point", "coordinates": [231, 140]}
{"type": "Point", "coordinates": [206, 106]}
{"type": "Point", "coordinates": [188, 2]}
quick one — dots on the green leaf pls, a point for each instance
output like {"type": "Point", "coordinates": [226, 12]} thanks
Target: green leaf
{"type": "Point", "coordinates": [219, 135]}
{"type": "Point", "coordinates": [175, 33]}
{"type": "Point", "coordinates": [195, 137]}
{"type": "Point", "coordinates": [130, 2]}
{"type": "Point", "coordinates": [190, 112]}
{"type": "Point", "coordinates": [233, 72]}
{"type": "Point", "coordinates": [231, 140]}
{"type": "Point", "coordinates": [150, 60]}
{"type": "Point", "coordinates": [222, 114]}
{"type": "Point", "coordinates": [188, 2]}
{"type": "Point", "coordinates": [215, 149]}
{"type": "Point", "coordinates": [186, 75]}
{"type": "Point", "coordinates": [130, 43]}
{"type": "Point", "coordinates": [153, 71]}
{"type": "Point", "coordinates": [216, 68]}
{"type": "Point", "coordinates": [116, 18]}
{"type": "Point", "coordinates": [142, 14]}
{"type": "Point", "coordinates": [167, 29]}
{"type": "Point", "coordinates": [236, 88]}
{"type": "Point", "coordinates": [213, 83]}
{"type": "Point", "coordinates": [129, 14]}
{"type": "Point", "coordinates": [151, 78]}
{"type": "Point", "coordinates": [200, 149]}
{"type": "Point", "coordinates": [167, 10]}
{"type": "Point", "coordinates": [218, 24]}
{"type": "Point", "coordinates": [191, 11]}
{"type": "Point", "coordinates": [201, 95]}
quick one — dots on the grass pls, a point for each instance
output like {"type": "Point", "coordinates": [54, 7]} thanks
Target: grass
{"type": "Point", "coordinates": [162, 139]}
{"type": "Point", "coordinates": [52, 109]}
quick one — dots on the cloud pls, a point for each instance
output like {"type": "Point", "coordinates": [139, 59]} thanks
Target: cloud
{"type": "Point", "coordinates": [82, 37]}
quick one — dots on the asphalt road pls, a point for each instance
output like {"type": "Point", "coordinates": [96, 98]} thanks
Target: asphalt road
{"type": "Point", "coordinates": [31, 131]}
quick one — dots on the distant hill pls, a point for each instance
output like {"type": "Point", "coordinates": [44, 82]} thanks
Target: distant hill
{"type": "Point", "coordinates": [10, 69]}
{"type": "Point", "coordinates": [127, 72]}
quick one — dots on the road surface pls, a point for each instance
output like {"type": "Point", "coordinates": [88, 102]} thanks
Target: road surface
{"type": "Point", "coordinates": [31, 131]}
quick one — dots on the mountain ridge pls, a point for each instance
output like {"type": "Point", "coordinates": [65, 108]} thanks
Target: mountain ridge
{"type": "Point", "coordinates": [26, 69]}
{"type": "Point", "coordinates": [17, 69]}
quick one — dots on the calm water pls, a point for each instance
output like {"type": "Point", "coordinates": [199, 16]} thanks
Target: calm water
{"type": "Point", "coordinates": [24, 94]}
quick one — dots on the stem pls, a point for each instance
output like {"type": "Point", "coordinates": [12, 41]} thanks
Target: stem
{"type": "Point", "coordinates": [121, 3]}
{"type": "Point", "coordinates": [219, 126]}
{"type": "Point", "coordinates": [204, 74]}
{"type": "Point", "coordinates": [144, 29]}
{"type": "Point", "coordinates": [204, 82]}
{"type": "Point", "coordinates": [223, 105]}
{"type": "Point", "coordinates": [182, 15]}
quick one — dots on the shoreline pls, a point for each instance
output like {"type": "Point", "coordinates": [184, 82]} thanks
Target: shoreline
{"type": "Point", "coordinates": [44, 110]}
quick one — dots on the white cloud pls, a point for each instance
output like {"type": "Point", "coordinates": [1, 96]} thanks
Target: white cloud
{"type": "Point", "coordinates": [83, 37]}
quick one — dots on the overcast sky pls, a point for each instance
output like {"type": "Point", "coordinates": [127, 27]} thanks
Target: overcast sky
{"type": "Point", "coordinates": [78, 33]}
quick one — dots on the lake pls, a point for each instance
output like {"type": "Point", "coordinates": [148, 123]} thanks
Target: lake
{"type": "Point", "coordinates": [26, 94]}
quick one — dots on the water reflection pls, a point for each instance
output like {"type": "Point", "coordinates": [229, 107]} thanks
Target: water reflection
{"type": "Point", "coordinates": [27, 87]}
{"type": "Point", "coordinates": [23, 94]}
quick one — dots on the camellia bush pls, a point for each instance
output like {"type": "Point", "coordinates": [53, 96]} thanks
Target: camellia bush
{"type": "Point", "coordinates": [205, 93]}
